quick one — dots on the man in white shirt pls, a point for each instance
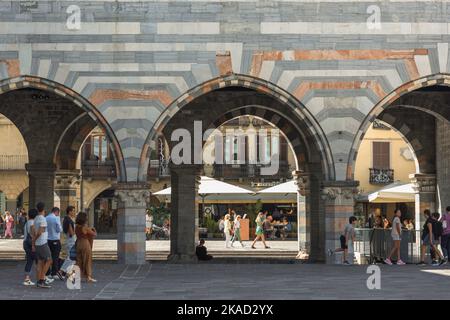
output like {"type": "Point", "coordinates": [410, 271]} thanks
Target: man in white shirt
{"type": "Point", "coordinates": [40, 246]}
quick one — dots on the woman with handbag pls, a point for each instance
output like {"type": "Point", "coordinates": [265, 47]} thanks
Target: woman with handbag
{"type": "Point", "coordinates": [85, 238]}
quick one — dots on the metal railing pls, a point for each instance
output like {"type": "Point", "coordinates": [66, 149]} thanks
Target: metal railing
{"type": "Point", "coordinates": [381, 176]}
{"type": "Point", "coordinates": [374, 245]}
{"type": "Point", "coordinates": [98, 169]}
{"type": "Point", "coordinates": [13, 162]}
{"type": "Point", "coordinates": [158, 168]}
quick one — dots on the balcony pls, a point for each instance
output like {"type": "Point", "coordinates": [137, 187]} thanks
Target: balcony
{"type": "Point", "coordinates": [95, 169]}
{"type": "Point", "coordinates": [381, 176]}
{"type": "Point", "coordinates": [13, 162]}
{"type": "Point", "coordinates": [236, 171]}
{"type": "Point", "coordinates": [158, 169]}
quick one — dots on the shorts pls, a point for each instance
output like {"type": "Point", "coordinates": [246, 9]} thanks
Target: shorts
{"type": "Point", "coordinates": [343, 245]}
{"type": "Point", "coordinates": [43, 253]}
{"type": "Point", "coordinates": [259, 231]}
{"type": "Point", "coordinates": [426, 241]}
{"type": "Point", "coordinates": [396, 237]}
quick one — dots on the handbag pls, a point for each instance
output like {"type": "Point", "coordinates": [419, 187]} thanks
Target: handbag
{"type": "Point", "coordinates": [73, 252]}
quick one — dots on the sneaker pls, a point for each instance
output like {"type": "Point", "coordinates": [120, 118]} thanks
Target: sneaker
{"type": "Point", "coordinates": [435, 264]}
{"type": "Point", "coordinates": [346, 263]}
{"type": "Point", "coordinates": [43, 284]}
{"type": "Point", "coordinates": [400, 263]}
{"type": "Point", "coordinates": [48, 279]}
{"type": "Point", "coordinates": [59, 276]}
{"type": "Point", "coordinates": [422, 263]}
{"type": "Point", "coordinates": [28, 282]}
{"type": "Point", "coordinates": [388, 261]}
{"type": "Point", "coordinates": [443, 261]}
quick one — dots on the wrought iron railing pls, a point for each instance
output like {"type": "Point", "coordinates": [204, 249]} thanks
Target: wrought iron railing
{"type": "Point", "coordinates": [158, 169]}
{"type": "Point", "coordinates": [98, 169]}
{"type": "Point", "coordinates": [381, 176]}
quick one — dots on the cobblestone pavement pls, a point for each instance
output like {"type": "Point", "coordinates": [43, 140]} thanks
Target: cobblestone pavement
{"type": "Point", "coordinates": [236, 281]}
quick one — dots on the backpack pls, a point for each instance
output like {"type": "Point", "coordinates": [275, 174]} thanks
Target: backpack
{"type": "Point", "coordinates": [437, 229]}
{"type": "Point", "coordinates": [28, 241]}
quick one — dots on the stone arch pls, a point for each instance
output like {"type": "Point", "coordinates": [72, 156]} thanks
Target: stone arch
{"type": "Point", "coordinates": [34, 82]}
{"type": "Point", "coordinates": [380, 109]}
{"type": "Point", "coordinates": [310, 129]}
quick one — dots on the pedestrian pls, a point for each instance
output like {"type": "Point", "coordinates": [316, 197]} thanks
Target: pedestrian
{"type": "Point", "coordinates": [396, 233]}
{"type": "Point", "coordinates": [237, 231]}
{"type": "Point", "coordinates": [9, 224]}
{"type": "Point", "coordinates": [40, 246]}
{"type": "Point", "coordinates": [85, 240]}
{"type": "Point", "coordinates": [259, 230]}
{"type": "Point", "coordinates": [68, 227]}
{"type": "Point", "coordinates": [437, 235]}
{"type": "Point", "coordinates": [347, 239]}
{"type": "Point", "coordinates": [445, 239]}
{"type": "Point", "coordinates": [54, 242]}
{"type": "Point", "coordinates": [227, 230]}
{"type": "Point", "coordinates": [22, 222]}
{"type": "Point", "coordinates": [427, 237]}
{"type": "Point", "coordinates": [201, 252]}
{"type": "Point", "coordinates": [30, 255]}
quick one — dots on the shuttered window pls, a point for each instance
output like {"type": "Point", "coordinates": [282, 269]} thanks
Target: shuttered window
{"type": "Point", "coordinates": [381, 155]}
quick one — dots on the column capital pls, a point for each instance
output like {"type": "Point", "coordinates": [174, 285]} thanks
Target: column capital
{"type": "Point", "coordinates": [69, 178]}
{"type": "Point", "coordinates": [423, 182]}
{"type": "Point", "coordinates": [301, 180]}
{"type": "Point", "coordinates": [339, 190]}
{"type": "Point", "coordinates": [133, 194]}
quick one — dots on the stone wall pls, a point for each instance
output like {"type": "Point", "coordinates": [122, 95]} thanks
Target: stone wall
{"type": "Point", "coordinates": [133, 59]}
{"type": "Point", "coordinates": [443, 164]}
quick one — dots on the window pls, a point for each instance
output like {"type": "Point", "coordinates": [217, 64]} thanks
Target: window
{"type": "Point", "coordinates": [381, 155]}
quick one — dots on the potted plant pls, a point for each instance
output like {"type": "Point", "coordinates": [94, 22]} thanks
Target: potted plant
{"type": "Point", "coordinates": [252, 211]}
{"type": "Point", "coordinates": [211, 225]}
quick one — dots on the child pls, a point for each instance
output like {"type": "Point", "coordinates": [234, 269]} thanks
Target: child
{"type": "Point", "coordinates": [347, 240]}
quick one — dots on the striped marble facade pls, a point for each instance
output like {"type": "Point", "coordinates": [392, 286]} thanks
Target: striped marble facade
{"type": "Point", "coordinates": [135, 61]}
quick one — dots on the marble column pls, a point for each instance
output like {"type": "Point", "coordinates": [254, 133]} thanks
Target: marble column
{"type": "Point", "coordinates": [132, 199]}
{"type": "Point", "coordinates": [66, 184]}
{"type": "Point", "coordinates": [303, 220]}
{"type": "Point", "coordinates": [339, 200]}
{"type": "Point", "coordinates": [185, 180]}
{"type": "Point", "coordinates": [425, 187]}
{"type": "Point", "coordinates": [41, 187]}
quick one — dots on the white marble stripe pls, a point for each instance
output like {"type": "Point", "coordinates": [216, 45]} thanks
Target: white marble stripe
{"type": "Point", "coordinates": [443, 56]}
{"type": "Point", "coordinates": [123, 67]}
{"type": "Point", "coordinates": [30, 28]}
{"type": "Point", "coordinates": [423, 65]}
{"type": "Point", "coordinates": [266, 70]}
{"type": "Point", "coordinates": [188, 28]}
{"type": "Point", "coordinates": [331, 28]}
{"type": "Point", "coordinates": [391, 75]}
{"type": "Point", "coordinates": [44, 67]}
{"type": "Point", "coordinates": [83, 81]}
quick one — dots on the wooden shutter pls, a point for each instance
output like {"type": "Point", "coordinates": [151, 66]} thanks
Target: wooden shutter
{"type": "Point", "coordinates": [381, 155]}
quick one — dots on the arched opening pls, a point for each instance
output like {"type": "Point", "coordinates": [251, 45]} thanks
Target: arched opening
{"type": "Point", "coordinates": [209, 107]}
{"type": "Point", "coordinates": [54, 122]}
{"type": "Point", "coordinates": [419, 112]}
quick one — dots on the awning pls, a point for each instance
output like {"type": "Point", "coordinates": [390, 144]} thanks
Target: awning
{"type": "Point", "coordinates": [395, 192]}
{"type": "Point", "coordinates": [286, 187]}
{"type": "Point", "coordinates": [211, 186]}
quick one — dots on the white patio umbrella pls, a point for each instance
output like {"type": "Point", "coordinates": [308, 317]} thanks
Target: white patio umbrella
{"type": "Point", "coordinates": [211, 186]}
{"type": "Point", "coordinates": [286, 187]}
{"type": "Point", "coordinates": [392, 193]}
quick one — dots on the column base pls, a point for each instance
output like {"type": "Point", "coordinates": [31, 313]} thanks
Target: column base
{"type": "Point", "coordinates": [137, 258]}
{"type": "Point", "coordinates": [182, 258]}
